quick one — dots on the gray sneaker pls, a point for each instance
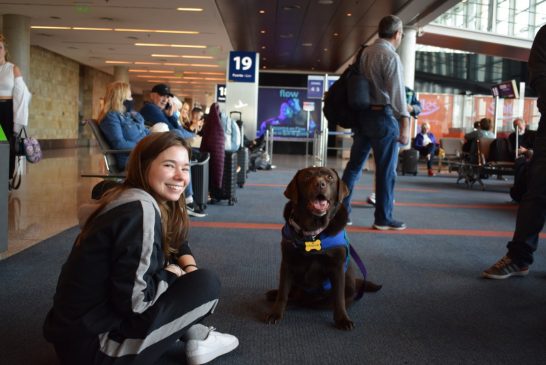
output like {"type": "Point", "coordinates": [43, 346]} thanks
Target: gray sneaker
{"type": "Point", "coordinates": [505, 268]}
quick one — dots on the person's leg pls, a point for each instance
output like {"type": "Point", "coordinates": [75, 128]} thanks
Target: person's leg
{"type": "Point", "coordinates": [353, 171]}
{"type": "Point", "coordinates": [385, 152]}
{"type": "Point", "coordinates": [430, 150]}
{"type": "Point", "coordinates": [144, 338]}
{"type": "Point", "coordinates": [530, 217]}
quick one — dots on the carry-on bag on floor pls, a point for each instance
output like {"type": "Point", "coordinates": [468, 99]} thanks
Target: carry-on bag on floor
{"type": "Point", "coordinates": [408, 160]}
{"type": "Point", "coordinates": [243, 162]}
{"type": "Point", "coordinates": [229, 181]}
{"type": "Point", "coordinates": [243, 154]}
{"type": "Point", "coordinates": [200, 180]}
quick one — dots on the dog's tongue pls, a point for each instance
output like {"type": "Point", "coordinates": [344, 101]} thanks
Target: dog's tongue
{"type": "Point", "coordinates": [320, 205]}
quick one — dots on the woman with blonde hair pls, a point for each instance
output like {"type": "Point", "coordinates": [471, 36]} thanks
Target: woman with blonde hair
{"type": "Point", "coordinates": [122, 127]}
{"type": "Point", "coordinates": [14, 101]}
{"type": "Point", "coordinates": [131, 287]}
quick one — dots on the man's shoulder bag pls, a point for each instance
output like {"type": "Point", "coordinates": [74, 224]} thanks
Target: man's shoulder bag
{"type": "Point", "coordinates": [347, 96]}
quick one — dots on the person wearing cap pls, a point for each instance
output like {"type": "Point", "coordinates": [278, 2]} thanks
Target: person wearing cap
{"type": "Point", "coordinates": [160, 110]}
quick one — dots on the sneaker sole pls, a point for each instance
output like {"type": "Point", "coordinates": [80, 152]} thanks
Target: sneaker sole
{"type": "Point", "coordinates": [505, 276]}
{"type": "Point", "coordinates": [205, 358]}
{"type": "Point", "coordinates": [388, 228]}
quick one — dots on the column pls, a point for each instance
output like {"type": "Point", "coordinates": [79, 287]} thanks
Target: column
{"type": "Point", "coordinates": [407, 55]}
{"type": "Point", "coordinates": [121, 73]}
{"type": "Point", "coordinates": [16, 29]}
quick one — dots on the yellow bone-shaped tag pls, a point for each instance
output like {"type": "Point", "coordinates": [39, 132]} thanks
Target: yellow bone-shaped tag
{"type": "Point", "coordinates": [312, 245]}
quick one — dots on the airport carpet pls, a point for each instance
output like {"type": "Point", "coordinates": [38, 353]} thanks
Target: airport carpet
{"type": "Point", "coordinates": [433, 309]}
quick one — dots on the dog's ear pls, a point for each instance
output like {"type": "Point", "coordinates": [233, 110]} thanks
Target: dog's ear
{"type": "Point", "coordinates": [342, 190]}
{"type": "Point", "coordinates": [291, 191]}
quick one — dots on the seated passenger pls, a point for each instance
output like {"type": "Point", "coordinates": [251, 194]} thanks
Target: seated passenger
{"type": "Point", "coordinates": [160, 110]}
{"type": "Point", "coordinates": [123, 128]}
{"type": "Point", "coordinates": [120, 124]}
{"type": "Point", "coordinates": [525, 138]}
{"type": "Point", "coordinates": [426, 144]}
{"type": "Point", "coordinates": [483, 132]}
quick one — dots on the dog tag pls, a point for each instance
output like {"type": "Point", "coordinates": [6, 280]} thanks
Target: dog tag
{"type": "Point", "coordinates": [312, 245]}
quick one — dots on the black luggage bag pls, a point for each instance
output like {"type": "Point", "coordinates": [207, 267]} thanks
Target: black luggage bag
{"type": "Point", "coordinates": [408, 161]}
{"type": "Point", "coordinates": [243, 154]}
{"type": "Point", "coordinates": [229, 181]}
{"type": "Point", "coordinates": [200, 179]}
{"type": "Point", "coordinates": [243, 161]}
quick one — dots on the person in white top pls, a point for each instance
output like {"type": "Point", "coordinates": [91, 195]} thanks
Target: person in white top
{"type": "Point", "coordinates": [14, 99]}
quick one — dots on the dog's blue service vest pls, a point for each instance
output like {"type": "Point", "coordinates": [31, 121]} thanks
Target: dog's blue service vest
{"type": "Point", "coordinates": [321, 243]}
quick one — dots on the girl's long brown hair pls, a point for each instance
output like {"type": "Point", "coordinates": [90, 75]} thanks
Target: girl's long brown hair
{"type": "Point", "coordinates": [174, 217]}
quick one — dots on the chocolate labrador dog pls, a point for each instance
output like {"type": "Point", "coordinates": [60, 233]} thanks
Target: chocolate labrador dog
{"type": "Point", "coordinates": [315, 268]}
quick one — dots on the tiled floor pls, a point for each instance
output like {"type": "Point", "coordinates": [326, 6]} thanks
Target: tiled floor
{"type": "Point", "coordinates": [52, 190]}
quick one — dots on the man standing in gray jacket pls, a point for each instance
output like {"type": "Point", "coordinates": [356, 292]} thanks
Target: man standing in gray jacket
{"type": "Point", "coordinates": [384, 125]}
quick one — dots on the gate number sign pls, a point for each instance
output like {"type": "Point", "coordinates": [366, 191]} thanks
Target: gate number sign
{"type": "Point", "coordinates": [242, 66]}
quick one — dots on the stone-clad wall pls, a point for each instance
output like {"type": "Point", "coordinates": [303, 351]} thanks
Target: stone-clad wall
{"type": "Point", "coordinates": [63, 93]}
{"type": "Point", "coordinates": [54, 84]}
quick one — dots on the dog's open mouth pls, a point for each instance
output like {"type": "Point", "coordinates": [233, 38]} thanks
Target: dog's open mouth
{"type": "Point", "coordinates": [320, 205]}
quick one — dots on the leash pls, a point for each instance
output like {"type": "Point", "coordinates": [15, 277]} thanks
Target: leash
{"type": "Point", "coordinates": [362, 268]}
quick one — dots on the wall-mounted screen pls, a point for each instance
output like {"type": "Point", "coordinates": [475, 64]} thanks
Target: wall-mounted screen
{"type": "Point", "coordinates": [282, 108]}
{"type": "Point", "coordinates": [506, 89]}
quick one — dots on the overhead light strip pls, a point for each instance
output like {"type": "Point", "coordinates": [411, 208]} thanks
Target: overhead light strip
{"type": "Point", "coordinates": [181, 56]}
{"type": "Point", "coordinates": [169, 45]}
{"type": "Point", "coordinates": [163, 63]}
{"type": "Point", "coordinates": [116, 29]}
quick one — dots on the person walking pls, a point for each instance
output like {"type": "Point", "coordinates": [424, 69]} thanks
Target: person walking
{"type": "Point", "coordinates": [384, 125]}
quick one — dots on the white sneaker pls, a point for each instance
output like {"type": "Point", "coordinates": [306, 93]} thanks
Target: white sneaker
{"type": "Point", "coordinates": [216, 344]}
{"type": "Point", "coordinates": [371, 199]}
{"type": "Point", "coordinates": [193, 213]}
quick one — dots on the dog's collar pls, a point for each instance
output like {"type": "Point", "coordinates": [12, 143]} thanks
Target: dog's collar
{"type": "Point", "coordinates": [303, 233]}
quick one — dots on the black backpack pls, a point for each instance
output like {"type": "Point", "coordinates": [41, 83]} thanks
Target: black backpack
{"type": "Point", "coordinates": [348, 95]}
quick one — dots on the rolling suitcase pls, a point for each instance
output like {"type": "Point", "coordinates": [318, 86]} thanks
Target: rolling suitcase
{"type": "Point", "coordinates": [243, 161]}
{"type": "Point", "coordinates": [229, 181]}
{"type": "Point", "coordinates": [408, 160]}
{"type": "Point", "coordinates": [200, 180]}
{"type": "Point", "coordinates": [243, 155]}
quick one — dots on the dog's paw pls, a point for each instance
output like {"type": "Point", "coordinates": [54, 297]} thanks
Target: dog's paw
{"type": "Point", "coordinates": [273, 318]}
{"type": "Point", "coordinates": [371, 287]}
{"type": "Point", "coordinates": [345, 324]}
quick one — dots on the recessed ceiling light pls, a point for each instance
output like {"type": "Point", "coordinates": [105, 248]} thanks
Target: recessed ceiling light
{"type": "Point", "coordinates": [262, 11]}
{"type": "Point", "coordinates": [263, 47]}
{"type": "Point", "coordinates": [307, 44]}
{"type": "Point", "coordinates": [262, 31]}
{"type": "Point", "coordinates": [189, 9]}
{"type": "Point", "coordinates": [291, 7]}
{"type": "Point", "coordinates": [325, 49]}
{"type": "Point", "coordinates": [325, 2]}
{"type": "Point", "coordinates": [336, 34]}
{"type": "Point", "coordinates": [349, 14]}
